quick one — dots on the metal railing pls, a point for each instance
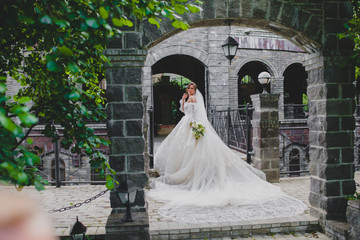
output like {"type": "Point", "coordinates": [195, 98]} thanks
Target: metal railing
{"type": "Point", "coordinates": [61, 167]}
{"type": "Point", "coordinates": [234, 127]}
{"type": "Point", "coordinates": [294, 156]}
{"type": "Point", "coordinates": [296, 111]}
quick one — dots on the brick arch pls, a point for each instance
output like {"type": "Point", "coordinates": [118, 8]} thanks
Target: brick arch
{"type": "Point", "coordinates": [158, 54]}
{"type": "Point", "coordinates": [292, 21]}
{"type": "Point", "coordinates": [288, 65]}
{"type": "Point", "coordinates": [272, 72]}
{"type": "Point", "coordinates": [154, 55]}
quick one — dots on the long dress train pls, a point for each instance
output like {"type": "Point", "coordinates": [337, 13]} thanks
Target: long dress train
{"type": "Point", "coordinates": [205, 181]}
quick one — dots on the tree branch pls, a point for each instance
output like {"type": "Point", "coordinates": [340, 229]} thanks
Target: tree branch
{"type": "Point", "coordinates": [24, 137]}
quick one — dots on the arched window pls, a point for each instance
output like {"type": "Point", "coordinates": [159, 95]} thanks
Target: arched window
{"type": "Point", "coordinates": [248, 83]}
{"type": "Point", "coordinates": [295, 96]}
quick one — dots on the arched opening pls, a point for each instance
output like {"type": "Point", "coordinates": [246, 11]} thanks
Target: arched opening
{"type": "Point", "coordinates": [295, 95]}
{"type": "Point", "coordinates": [183, 65]}
{"type": "Point", "coordinates": [248, 83]}
{"type": "Point", "coordinates": [170, 77]}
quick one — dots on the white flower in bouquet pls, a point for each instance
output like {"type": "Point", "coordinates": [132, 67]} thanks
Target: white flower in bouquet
{"type": "Point", "coordinates": [198, 129]}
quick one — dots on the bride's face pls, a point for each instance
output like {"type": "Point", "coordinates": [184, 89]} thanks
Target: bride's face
{"type": "Point", "coordinates": [191, 90]}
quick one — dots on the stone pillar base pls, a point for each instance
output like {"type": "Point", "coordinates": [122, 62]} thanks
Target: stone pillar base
{"type": "Point", "coordinates": [269, 167]}
{"type": "Point", "coordinates": [137, 230]}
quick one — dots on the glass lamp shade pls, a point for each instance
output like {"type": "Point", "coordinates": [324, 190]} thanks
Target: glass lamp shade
{"type": "Point", "coordinates": [127, 192]}
{"type": "Point", "coordinates": [264, 78]}
{"type": "Point", "coordinates": [78, 231]}
{"type": "Point", "coordinates": [80, 236]}
{"type": "Point", "coordinates": [230, 47]}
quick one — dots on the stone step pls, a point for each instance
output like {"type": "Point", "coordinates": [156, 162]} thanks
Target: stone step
{"type": "Point", "coordinates": [173, 230]}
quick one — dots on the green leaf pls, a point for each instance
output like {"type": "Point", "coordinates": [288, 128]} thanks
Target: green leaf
{"type": "Point", "coordinates": [61, 23]}
{"type": "Point", "coordinates": [7, 123]}
{"type": "Point", "coordinates": [128, 23]}
{"type": "Point", "coordinates": [176, 24]}
{"type": "Point", "coordinates": [66, 51]}
{"type": "Point", "coordinates": [165, 13]}
{"type": "Point", "coordinates": [73, 67]}
{"type": "Point", "coordinates": [46, 19]}
{"type": "Point", "coordinates": [180, 8]}
{"type": "Point", "coordinates": [110, 184]}
{"type": "Point", "coordinates": [38, 185]}
{"type": "Point", "coordinates": [184, 26]}
{"type": "Point", "coordinates": [31, 158]}
{"type": "Point", "coordinates": [2, 87]}
{"type": "Point", "coordinates": [92, 22]}
{"type": "Point", "coordinates": [154, 21]}
{"type": "Point", "coordinates": [22, 178]}
{"type": "Point", "coordinates": [73, 96]}
{"type": "Point", "coordinates": [117, 22]}
{"type": "Point", "coordinates": [29, 141]}
{"type": "Point", "coordinates": [24, 99]}
{"type": "Point", "coordinates": [193, 8]}
{"type": "Point", "coordinates": [103, 13]}
{"type": "Point", "coordinates": [107, 26]}
{"type": "Point", "coordinates": [28, 119]}
{"type": "Point", "coordinates": [53, 66]}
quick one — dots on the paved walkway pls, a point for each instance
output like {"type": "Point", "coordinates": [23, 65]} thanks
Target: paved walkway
{"type": "Point", "coordinates": [94, 214]}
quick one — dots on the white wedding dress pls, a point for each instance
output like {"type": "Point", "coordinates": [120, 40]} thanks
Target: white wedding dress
{"type": "Point", "coordinates": [205, 181]}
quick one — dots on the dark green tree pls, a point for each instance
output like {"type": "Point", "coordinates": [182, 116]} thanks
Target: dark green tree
{"type": "Point", "coordinates": [54, 49]}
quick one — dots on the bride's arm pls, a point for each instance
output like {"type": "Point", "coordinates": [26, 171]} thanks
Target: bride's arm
{"type": "Point", "coordinates": [182, 102]}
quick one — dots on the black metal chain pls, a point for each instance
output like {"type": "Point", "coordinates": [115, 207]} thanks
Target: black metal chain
{"type": "Point", "coordinates": [79, 204]}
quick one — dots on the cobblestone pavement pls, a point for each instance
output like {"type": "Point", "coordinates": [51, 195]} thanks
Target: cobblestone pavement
{"type": "Point", "coordinates": [94, 214]}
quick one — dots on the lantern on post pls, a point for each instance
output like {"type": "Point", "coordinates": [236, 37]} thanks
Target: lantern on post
{"type": "Point", "coordinates": [127, 191]}
{"type": "Point", "coordinates": [78, 230]}
{"type": "Point", "coordinates": [230, 46]}
{"type": "Point", "coordinates": [264, 79]}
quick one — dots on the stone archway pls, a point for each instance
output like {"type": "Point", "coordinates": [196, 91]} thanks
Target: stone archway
{"type": "Point", "coordinates": [252, 69]}
{"type": "Point", "coordinates": [329, 82]}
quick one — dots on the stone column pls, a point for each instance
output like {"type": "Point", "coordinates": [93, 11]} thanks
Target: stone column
{"type": "Point", "coordinates": [331, 122]}
{"type": "Point", "coordinates": [277, 87]}
{"type": "Point", "coordinates": [125, 113]}
{"type": "Point", "coordinates": [331, 125]}
{"type": "Point", "coordinates": [266, 134]}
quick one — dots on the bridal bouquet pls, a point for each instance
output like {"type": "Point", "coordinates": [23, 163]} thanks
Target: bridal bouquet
{"type": "Point", "coordinates": [198, 129]}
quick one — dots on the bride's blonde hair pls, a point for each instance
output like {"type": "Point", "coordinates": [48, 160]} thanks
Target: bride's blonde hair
{"type": "Point", "coordinates": [192, 84]}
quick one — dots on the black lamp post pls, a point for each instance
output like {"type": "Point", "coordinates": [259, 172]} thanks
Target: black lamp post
{"type": "Point", "coordinates": [264, 79]}
{"type": "Point", "coordinates": [78, 230]}
{"type": "Point", "coordinates": [230, 46]}
{"type": "Point", "coordinates": [127, 192]}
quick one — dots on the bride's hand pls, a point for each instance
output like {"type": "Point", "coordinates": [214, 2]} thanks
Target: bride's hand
{"type": "Point", "coordinates": [184, 96]}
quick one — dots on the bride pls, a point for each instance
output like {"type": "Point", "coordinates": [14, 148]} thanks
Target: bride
{"type": "Point", "coordinates": [202, 180]}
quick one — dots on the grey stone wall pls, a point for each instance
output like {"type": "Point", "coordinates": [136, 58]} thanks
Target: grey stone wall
{"type": "Point", "coordinates": [312, 26]}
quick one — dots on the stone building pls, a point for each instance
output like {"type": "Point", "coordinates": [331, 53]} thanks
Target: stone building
{"type": "Point", "coordinates": [197, 55]}
{"type": "Point", "coordinates": [310, 25]}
